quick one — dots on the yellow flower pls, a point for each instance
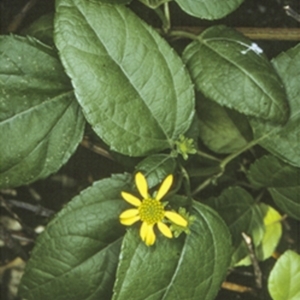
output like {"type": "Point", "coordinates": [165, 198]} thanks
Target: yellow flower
{"type": "Point", "coordinates": [150, 210]}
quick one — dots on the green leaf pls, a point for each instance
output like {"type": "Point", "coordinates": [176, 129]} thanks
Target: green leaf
{"type": "Point", "coordinates": [41, 123]}
{"type": "Point", "coordinates": [283, 283]}
{"type": "Point", "coordinates": [273, 232]}
{"type": "Point", "coordinates": [76, 257]}
{"type": "Point", "coordinates": [156, 168]}
{"type": "Point", "coordinates": [241, 214]}
{"type": "Point", "coordinates": [271, 238]}
{"type": "Point", "coordinates": [190, 267]}
{"type": "Point", "coordinates": [282, 181]}
{"type": "Point", "coordinates": [221, 129]}
{"type": "Point", "coordinates": [209, 9]}
{"type": "Point", "coordinates": [154, 3]}
{"type": "Point", "coordinates": [287, 199]}
{"type": "Point", "coordinates": [231, 70]}
{"type": "Point", "coordinates": [42, 29]}
{"type": "Point", "coordinates": [283, 141]}
{"type": "Point", "coordinates": [115, 1]}
{"type": "Point", "coordinates": [269, 171]}
{"type": "Point", "coordinates": [133, 88]}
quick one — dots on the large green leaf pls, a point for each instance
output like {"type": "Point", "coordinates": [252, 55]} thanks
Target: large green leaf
{"type": "Point", "coordinates": [282, 181]}
{"type": "Point", "coordinates": [221, 129]}
{"type": "Point", "coordinates": [191, 267]}
{"type": "Point", "coordinates": [283, 283]}
{"type": "Point", "coordinates": [209, 9]}
{"type": "Point", "coordinates": [231, 70]}
{"type": "Point", "coordinates": [241, 214]}
{"type": "Point", "coordinates": [131, 85]}
{"type": "Point", "coordinates": [76, 257]}
{"type": "Point", "coordinates": [283, 141]}
{"type": "Point", "coordinates": [41, 123]}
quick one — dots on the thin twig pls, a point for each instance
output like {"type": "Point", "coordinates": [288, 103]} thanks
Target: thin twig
{"type": "Point", "coordinates": [95, 148]}
{"type": "Point", "coordinates": [4, 204]}
{"type": "Point", "coordinates": [206, 183]}
{"type": "Point", "coordinates": [37, 209]}
{"type": "Point", "coordinates": [18, 19]}
{"type": "Point", "coordinates": [237, 288]}
{"type": "Point", "coordinates": [11, 243]}
{"type": "Point", "coordinates": [292, 13]}
{"type": "Point", "coordinates": [256, 268]}
{"type": "Point", "coordinates": [275, 34]}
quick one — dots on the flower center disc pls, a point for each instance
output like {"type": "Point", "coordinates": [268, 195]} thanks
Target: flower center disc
{"type": "Point", "coordinates": [151, 211]}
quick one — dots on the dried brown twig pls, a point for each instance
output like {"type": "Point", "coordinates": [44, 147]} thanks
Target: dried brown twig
{"type": "Point", "coordinates": [292, 13]}
{"type": "Point", "coordinates": [18, 19]}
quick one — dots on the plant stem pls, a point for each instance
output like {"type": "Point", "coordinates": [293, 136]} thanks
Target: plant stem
{"type": "Point", "coordinates": [95, 148]}
{"type": "Point", "coordinates": [292, 13]}
{"type": "Point", "coordinates": [165, 18]}
{"type": "Point", "coordinates": [203, 185]}
{"type": "Point", "coordinates": [186, 178]}
{"type": "Point", "coordinates": [224, 162]}
{"type": "Point", "coordinates": [18, 19]}
{"type": "Point", "coordinates": [167, 24]}
{"type": "Point", "coordinates": [230, 157]}
{"type": "Point", "coordinates": [182, 34]}
{"type": "Point", "coordinates": [279, 34]}
{"type": "Point", "coordinates": [203, 154]}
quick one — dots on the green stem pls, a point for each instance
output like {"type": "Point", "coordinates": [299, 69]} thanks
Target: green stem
{"type": "Point", "coordinates": [203, 154]}
{"type": "Point", "coordinates": [183, 34]}
{"type": "Point", "coordinates": [230, 157]}
{"type": "Point", "coordinates": [186, 178]}
{"type": "Point", "coordinates": [204, 184]}
{"type": "Point", "coordinates": [164, 16]}
{"type": "Point", "coordinates": [224, 162]}
{"type": "Point", "coordinates": [167, 25]}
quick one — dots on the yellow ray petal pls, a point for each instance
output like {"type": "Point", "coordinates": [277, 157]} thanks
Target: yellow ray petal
{"type": "Point", "coordinates": [129, 221]}
{"type": "Point", "coordinates": [164, 229]}
{"type": "Point", "coordinates": [147, 234]}
{"type": "Point", "coordinates": [176, 218]}
{"type": "Point", "coordinates": [143, 231]}
{"type": "Point", "coordinates": [131, 199]}
{"type": "Point", "coordinates": [141, 184]}
{"type": "Point", "coordinates": [129, 213]}
{"type": "Point", "coordinates": [165, 186]}
{"type": "Point", "coordinates": [150, 238]}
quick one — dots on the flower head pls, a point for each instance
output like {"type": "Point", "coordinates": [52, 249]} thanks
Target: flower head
{"type": "Point", "coordinates": [185, 146]}
{"type": "Point", "coordinates": [150, 210]}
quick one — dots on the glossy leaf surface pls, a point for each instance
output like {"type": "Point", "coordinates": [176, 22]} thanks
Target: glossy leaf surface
{"type": "Point", "coordinates": [284, 279]}
{"type": "Point", "coordinates": [233, 71]}
{"type": "Point", "coordinates": [133, 88]}
{"type": "Point", "coordinates": [283, 141]}
{"type": "Point", "coordinates": [209, 9]}
{"type": "Point", "coordinates": [221, 129]}
{"type": "Point", "coordinates": [41, 123]}
{"type": "Point", "coordinates": [77, 255]}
